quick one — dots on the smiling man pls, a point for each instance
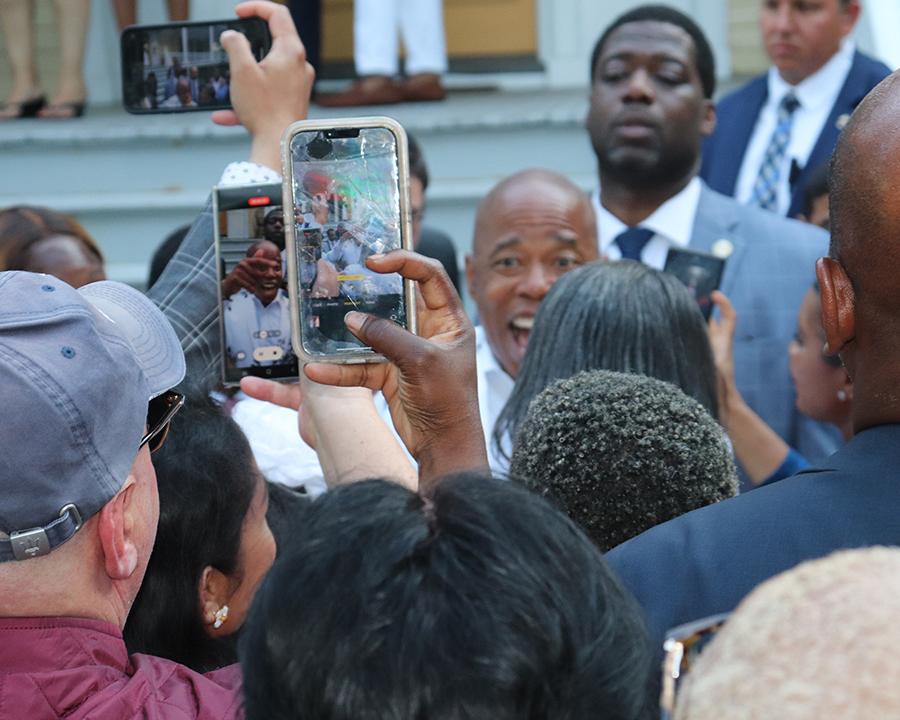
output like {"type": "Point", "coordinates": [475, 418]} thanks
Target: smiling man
{"type": "Point", "coordinates": [532, 228]}
{"type": "Point", "coordinates": [776, 129]}
{"type": "Point", "coordinates": [258, 316]}
{"type": "Point", "coordinates": [653, 78]}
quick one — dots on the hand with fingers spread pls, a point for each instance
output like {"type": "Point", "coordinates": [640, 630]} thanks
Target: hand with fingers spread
{"type": "Point", "coordinates": [430, 381]}
{"type": "Point", "coordinates": [344, 428]}
{"type": "Point", "coordinates": [320, 208]}
{"type": "Point", "coordinates": [268, 95]}
{"type": "Point", "coordinates": [247, 274]}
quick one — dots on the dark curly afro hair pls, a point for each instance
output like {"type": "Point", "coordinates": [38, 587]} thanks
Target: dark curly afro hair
{"type": "Point", "coordinates": [620, 453]}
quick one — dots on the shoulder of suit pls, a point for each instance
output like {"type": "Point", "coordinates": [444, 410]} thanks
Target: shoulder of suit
{"type": "Point", "coordinates": [871, 67]}
{"type": "Point", "coordinates": [762, 226]}
{"type": "Point", "coordinates": [698, 532]}
{"type": "Point", "coordinates": [751, 90]}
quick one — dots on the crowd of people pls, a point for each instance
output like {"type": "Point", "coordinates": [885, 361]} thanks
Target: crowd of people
{"type": "Point", "coordinates": [527, 518]}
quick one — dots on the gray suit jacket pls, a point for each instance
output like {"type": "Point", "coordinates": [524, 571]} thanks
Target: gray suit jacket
{"type": "Point", "coordinates": [768, 273]}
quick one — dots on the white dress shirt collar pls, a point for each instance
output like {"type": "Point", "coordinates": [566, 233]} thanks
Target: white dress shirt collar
{"type": "Point", "coordinates": [817, 95]}
{"type": "Point", "coordinates": [494, 389]}
{"type": "Point", "coordinates": [672, 222]}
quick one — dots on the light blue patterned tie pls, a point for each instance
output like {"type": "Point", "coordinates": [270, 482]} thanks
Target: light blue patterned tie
{"type": "Point", "coordinates": [765, 189]}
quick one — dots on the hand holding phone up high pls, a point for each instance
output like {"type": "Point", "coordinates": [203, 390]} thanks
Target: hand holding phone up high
{"type": "Point", "coordinates": [430, 381]}
{"type": "Point", "coordinates": [269, 95]}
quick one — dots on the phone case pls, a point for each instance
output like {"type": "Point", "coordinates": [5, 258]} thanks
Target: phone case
{"type": "Point", "coordinates": [254, 320]}
{"type": "Point", "coordinates": [354, 175]}
{"type": "Point", "coordinates": [153, 55]}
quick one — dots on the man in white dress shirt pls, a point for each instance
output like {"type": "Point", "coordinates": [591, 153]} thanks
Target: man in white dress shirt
{"type": "Point", "coordinates": [182, 96]}
{"type": "Point", "coordinates": [258, 323]}
{"type": "Point", "coordinates": [653, 78]}
{"type": "Point", "coordinates": [775, 130]}
{"type": "Point", "coordinates": [530, 229]}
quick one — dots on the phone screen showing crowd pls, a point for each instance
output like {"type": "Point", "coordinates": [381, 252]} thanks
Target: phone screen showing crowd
{"type": "Point", "coordinates": [346, 208]}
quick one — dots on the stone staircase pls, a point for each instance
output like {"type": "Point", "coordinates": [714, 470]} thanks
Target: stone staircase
{"type": "Point", "coordinates": [131, 180]}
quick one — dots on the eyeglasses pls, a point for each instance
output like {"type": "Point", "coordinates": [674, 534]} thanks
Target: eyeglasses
{"type": "Point", "coordinates": [682, 645]}
{"type": "Point", "coordinates": [162, 409]}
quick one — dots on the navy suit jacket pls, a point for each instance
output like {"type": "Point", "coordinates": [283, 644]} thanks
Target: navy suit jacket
{"type": "Point", "coordinates": [737, 113]}
{"type": "Point", "coordinates": [771, 268]}
{"type": "Point", "coordinates": [705, 562]}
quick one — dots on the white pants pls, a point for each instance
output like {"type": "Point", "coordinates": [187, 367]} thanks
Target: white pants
{"type": "Point", "coordinates": [377, 25]}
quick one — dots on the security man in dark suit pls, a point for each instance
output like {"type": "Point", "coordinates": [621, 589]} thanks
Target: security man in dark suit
{"type": "Point", "coordinates": [776, 129]}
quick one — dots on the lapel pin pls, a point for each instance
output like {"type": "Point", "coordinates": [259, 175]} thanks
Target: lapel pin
{"type": "Point", "coordinates": [722, 248]}
{"type": "Point", "coordinates": [842, 121]}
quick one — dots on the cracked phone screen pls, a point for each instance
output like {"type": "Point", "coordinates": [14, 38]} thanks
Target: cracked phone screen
{"type": "Point", "coordinates": [346, 208]}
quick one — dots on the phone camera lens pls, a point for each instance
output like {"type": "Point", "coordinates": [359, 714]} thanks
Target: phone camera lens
{"type": "Point", "coordinates": [319, 147]}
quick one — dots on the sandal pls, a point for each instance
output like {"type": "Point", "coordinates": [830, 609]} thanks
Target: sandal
{"type": "Point", "coordinates": [62, 111]}
{"type": "Point", "coordinates": [27, 109]}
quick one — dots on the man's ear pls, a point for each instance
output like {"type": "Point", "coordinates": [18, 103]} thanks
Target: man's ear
{"type": "Point", "coordinates": [708, 124]}
{"type": "Point", "coordinates": [115, 529]}
{"type": "Point", "coordinates": [470, 274]}
{"type": "Point", "coordinates": [838, 305]}
{"type": "Point", "coordinates": [215, 590]}
{"type": "Point", "coordinates": [851, 15]}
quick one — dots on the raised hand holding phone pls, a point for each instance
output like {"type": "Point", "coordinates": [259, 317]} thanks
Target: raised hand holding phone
{"type": "Point", "coordinates": [269, 95]}
{"type": "Point", "coordinates": [344, 428]}
{"type": "Point", "coordinates": [430, 381]}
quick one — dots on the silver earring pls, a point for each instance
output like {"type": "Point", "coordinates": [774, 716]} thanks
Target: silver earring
{"type": "Point", "coordinates": [842, 395]}
{"type": "Point", "coordinates": [221, 617]}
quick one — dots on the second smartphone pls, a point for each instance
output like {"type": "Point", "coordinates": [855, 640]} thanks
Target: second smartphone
{"type": "Point", "coordinates": [346, 197]}
{"type": "Point", "coordinates": [181, 67]}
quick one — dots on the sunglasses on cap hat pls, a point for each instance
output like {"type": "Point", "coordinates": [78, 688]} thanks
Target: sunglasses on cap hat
{"type": "Point", "coordinates": [160, 412]}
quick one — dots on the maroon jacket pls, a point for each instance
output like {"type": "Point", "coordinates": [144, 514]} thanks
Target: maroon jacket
{"type": "Point", "coordinates": [74, 668]}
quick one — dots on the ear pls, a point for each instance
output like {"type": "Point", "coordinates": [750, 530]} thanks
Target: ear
{"type": "Point", "coordinates": [470, 275]}
{"type": "Point", "coordinates": [708, 124]}
{"type": "Point", "coordinates": [802, 218]}
{"type": "Point", "coordinates": [215, 591]}
{"type": "Point", "coordinates": [115, 529]}
{"type": "Point", "coordinates": [838, 305]}
{"type": "Point", "coordinates": [851, 15]}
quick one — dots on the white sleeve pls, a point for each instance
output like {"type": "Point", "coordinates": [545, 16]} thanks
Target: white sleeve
{"type": "Point", "coordinates": [244, 173]}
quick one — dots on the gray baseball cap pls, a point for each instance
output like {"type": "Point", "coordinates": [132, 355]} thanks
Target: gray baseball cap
{"type": "Point", "coordinates": [77, 371]}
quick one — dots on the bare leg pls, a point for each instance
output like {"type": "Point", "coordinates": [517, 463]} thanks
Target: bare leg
{"type": "Point", "coordinates": [178, 10]}
{"type": "Point", "coordinates": [17, 17]}
{"type": "Point", "coordinates": [126, 13]}
{"type": "Point", "coordinates": [72, 18]}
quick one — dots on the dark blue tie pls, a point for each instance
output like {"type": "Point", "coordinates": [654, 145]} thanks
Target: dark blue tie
{"type": "Point", "coordinates": [632, 241]}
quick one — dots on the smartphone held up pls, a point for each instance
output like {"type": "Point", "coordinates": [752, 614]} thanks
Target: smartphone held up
{"type": "Point", "coordinates": [254, 308]}
{"type": "Point", "coordinates": [347, 185]}
{"type": "Point", "coordinates": [292, 256]}
{"type": "Point", "coordinates": [182, 67]}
